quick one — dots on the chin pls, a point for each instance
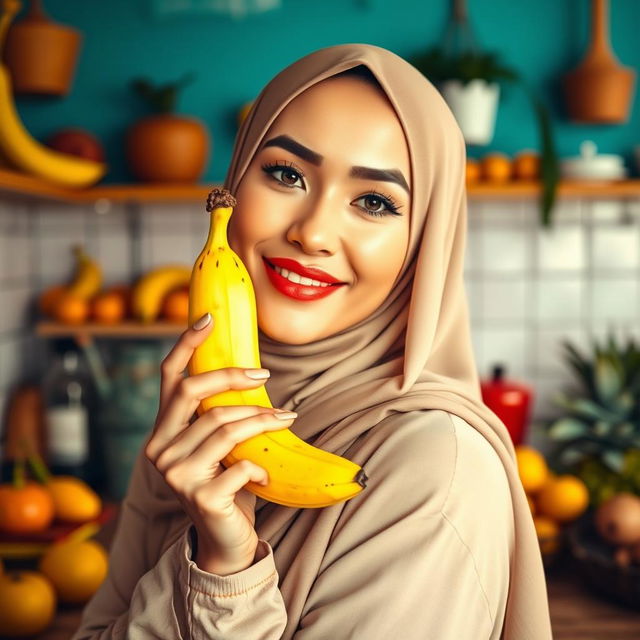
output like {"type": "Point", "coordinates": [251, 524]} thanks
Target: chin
{"type": "Point", "coordinates": [286, 333]}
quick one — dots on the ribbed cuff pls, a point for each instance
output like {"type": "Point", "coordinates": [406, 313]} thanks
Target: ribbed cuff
{"type": "Point", "coordinates": [257, 575]}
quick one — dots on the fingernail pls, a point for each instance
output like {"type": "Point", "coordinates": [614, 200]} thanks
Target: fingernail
{"type": "Point", "coordinates": [257, 374]}
{"type": "Point", "coordinates": [201, 323]}
{"type": "Point", "coordinates": [285, 415]}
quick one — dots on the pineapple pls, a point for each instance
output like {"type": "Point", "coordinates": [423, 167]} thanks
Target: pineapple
{"type": "Point", "coordinates": [598, 437]}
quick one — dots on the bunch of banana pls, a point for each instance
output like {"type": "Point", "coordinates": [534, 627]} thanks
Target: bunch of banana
{"type": "Point", "coordinates": [150, 290]}
{"type": "Point", "coordinates": [17, 144]}
{"type": "Point", "coordinates": [300, 475]}
{"type": "Point", "coordinates": [87, 278]}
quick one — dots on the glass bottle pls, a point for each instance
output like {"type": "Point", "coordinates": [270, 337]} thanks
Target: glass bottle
{"type": "Point", "coordinates": [66, 392]}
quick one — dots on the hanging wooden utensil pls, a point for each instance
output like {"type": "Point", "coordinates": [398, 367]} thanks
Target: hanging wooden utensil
{"type": "Point", "coordinates": [41, 54]}
{"type": "Point", "coordinates": [600, 90]}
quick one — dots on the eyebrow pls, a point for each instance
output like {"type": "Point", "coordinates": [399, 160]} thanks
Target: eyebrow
{"type": "Point", "coordinates": [386, 175]}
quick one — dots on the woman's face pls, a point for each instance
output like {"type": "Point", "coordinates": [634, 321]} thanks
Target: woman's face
{"type": "Point", "coordinates": [328, 190]}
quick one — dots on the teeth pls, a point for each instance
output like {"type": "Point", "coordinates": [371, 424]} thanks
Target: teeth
{"type": "Point", "coordinates": [294, 277]}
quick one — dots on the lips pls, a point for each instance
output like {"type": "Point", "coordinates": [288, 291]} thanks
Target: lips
{"type": "Point", "coordinates": [299, 291]}
{"type": "Point", "coordinates": [307, 272]}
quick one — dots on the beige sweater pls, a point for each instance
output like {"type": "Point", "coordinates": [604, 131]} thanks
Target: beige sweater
{"type": "Point", "coordinates": [422, 553]}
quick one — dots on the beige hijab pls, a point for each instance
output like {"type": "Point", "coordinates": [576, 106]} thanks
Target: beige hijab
{"type": "Point", "coordinates": [414, 352]}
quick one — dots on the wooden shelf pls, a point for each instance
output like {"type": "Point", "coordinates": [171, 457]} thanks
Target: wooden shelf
{"type": "Point", "coordinates": [25, 186]}
{"type": "Point", "coordinates": [121, 330]}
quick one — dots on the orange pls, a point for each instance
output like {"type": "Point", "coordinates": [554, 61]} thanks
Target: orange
{"type": "Point", "coordinates": [532, 468]}
{"type": "Point", "coordinates": [108, 307]}
{"type": "Point", "coordinates": [175, 306]}
{"type": "Point", "coordinates": [49, 297]}
{"type": "Point", "coordinates": [496, 167]}
{"type": "Point", "coordinates": [70, 309]}
{"type": "Point", "coordinates": [564, 498]}
{"type": "Point", "coordinates": [76, 569]}
{"type": "Point", "coordinates": [526, 166]}
{"type": "Point", "coordinates": [473, 170]}
{"type": "Point", "coordinates": [548, 533]}
{"type": "Point", "coordinates": [27, 603]}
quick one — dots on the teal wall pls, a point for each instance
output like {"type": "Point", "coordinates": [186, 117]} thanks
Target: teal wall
{"type": "Point", "coordinates": [233, 59]}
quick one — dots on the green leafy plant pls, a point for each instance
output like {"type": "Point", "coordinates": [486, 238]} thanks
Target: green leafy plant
{"type": "Point", "coordinates": [598, 437]}
{"type": "Point", "coordinates": [438, 65]}
{"type": "Point", "coordinates": [160, 98]}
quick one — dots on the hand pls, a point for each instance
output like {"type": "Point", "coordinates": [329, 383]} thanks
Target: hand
{"type": "Point", "coordinates": [188, 454]}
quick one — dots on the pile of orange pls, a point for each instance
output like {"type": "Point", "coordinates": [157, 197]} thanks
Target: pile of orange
{"type": "Point", "coordinates": [554, 500]}
{"type": "Point", "coordinates": [109, 306]}
{"type": "Point", "coordinates": [498, 168]}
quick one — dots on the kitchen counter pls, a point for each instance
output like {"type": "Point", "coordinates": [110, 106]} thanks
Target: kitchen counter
{"type": "Point", "coordinates": [576, 612]}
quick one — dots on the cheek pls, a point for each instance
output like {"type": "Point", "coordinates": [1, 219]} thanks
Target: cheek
{"type": "Point", "coordinates": [378, 258]}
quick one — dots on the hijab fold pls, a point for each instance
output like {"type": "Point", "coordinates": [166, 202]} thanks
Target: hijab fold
{"type": "Point", "coordinates": [415, 352]}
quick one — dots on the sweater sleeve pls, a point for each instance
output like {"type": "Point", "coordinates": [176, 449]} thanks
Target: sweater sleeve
{"type": "Point", "coordinates": [144, 597]}
{"type": "Point", "coordinates": [424, 552]}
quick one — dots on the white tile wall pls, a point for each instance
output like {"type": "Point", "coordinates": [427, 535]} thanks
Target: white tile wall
{"type": "Point", "coordinates": [528, 288]}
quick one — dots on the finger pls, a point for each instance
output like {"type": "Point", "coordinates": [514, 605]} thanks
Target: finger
{"type": "Point", "coordinates": [188, 440]}
{"type": "Point", "coordinates": [176, 361]}
{"type": "Point", "coordinates": [221, 442]}
{"type": "Point", "coordinates": [187, 395]}
{"type": "Point", "coordinates": [218, 492]}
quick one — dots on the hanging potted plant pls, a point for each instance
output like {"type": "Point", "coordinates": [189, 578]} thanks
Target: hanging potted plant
{"type": "Point", "coordinates": [469, 80]}
{"type": "Point", "coordinates": [165, 146]}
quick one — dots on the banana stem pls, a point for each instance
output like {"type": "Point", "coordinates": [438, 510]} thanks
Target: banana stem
{"type": "Point", "coordinates": [39, 468]}
{"type": "Point", "coordinates": [219, 223]}
{"type": "Point", "coordinates": [9, 10]}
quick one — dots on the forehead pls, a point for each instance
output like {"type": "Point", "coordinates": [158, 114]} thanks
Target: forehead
{"type": "Point", "coordinates": [345, 114]}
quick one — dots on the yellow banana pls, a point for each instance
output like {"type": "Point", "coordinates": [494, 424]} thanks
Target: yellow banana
{"type": "Point", "coordinates": [300, 475]}
{"type": "Point", "coordinates": [150, 290]}
{"type": "Point", "coordinates": [88, 277]}
{"type": "Point", "coordinates": [21, 148]}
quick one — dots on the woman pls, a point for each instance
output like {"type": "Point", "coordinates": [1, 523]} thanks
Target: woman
{"type": "Point", "coordinates": [361, 175]}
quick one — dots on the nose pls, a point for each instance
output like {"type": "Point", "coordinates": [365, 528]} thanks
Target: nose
{"type": "Point", "coordinates": [316, 228]}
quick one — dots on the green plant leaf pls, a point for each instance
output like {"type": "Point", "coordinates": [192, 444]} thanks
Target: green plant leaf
{"type": "Point", "coordinates": [614, 459]}
{"type": "Point", "coordinates": [608, 380]}
{"type": "Point", "coordinates": [567, 429]}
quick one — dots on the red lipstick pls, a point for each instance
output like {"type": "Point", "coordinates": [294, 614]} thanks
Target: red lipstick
{"type": "Point", "coordinates": [295, 290]}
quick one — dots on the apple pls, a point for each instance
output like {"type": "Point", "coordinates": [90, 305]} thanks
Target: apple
{"type": "Point", "coordinates": [77, 142]}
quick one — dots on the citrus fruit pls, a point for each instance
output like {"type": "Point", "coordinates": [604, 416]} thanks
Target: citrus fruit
{"type": "Point", "coordinates": [49, 297]}
{"type": "Point", "coordinates": [472, 171]}
{"type": "Point", "coordinates": [175, 306]}
{"type": "Point", "coordinates": [71, 309]}
{"type": "Point", "coordinates": [564, 498]}
{"type": "Point", "coordinates": [526, 166]}
{"type": "Point", "coordinates": [27, 603]}
{"type": "Point", "coordinates": [74, 499]}
{"type": "Point", "coordinates": [496, 167]}
{"type": "Point", "coordinates": [76, 569]}
{"type": "Point", "coordinates": [26, 509]}
{"type": "Point", "coordinates": [108, 307]}
{"type": "Point", "coordinates": [548, 533]}
{"type": "Point", "coordinates": [532, 468]}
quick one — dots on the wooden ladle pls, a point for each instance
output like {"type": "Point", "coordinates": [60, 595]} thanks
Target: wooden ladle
{"type": "Point", "coordinates": [600, 90]}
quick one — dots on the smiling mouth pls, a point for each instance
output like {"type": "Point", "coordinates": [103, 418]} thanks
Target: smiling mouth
{"type": "Point", "coordinates": [292, 276]}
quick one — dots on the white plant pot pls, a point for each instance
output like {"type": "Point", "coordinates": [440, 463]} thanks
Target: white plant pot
{"type": "Point", "coordinates": [474, 106]}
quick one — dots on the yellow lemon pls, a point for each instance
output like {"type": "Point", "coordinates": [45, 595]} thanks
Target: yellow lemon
{"type": "Point", "coordinates": [532, 468]}
{"type": "Point", "coordinates": [76, 569]}
{"type": "Point", "coordinates": [564, 498]}
{"type": "Point", "coordinates": [548, 533]}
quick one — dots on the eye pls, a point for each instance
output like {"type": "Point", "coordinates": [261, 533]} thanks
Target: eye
{"type": "Point", "coordinates": [284, 174]}
{"type": "Point", "coordinates": [376, 204]}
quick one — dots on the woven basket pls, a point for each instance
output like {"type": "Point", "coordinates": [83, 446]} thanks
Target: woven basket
{"type": "Point", "coordinates": [594, 560]}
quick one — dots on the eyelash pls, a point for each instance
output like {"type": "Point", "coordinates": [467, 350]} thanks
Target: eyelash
{"type": "Point", "coordinates": [391, 207]}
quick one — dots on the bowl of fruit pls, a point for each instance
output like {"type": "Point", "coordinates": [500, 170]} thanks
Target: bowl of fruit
{"type": "Point", "coordinates": [605, 544]}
